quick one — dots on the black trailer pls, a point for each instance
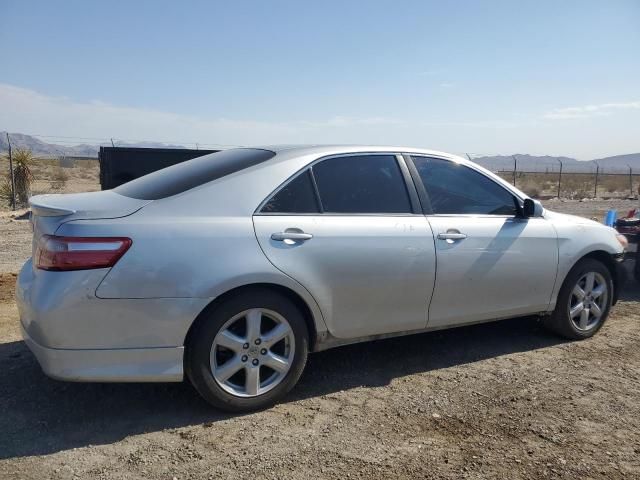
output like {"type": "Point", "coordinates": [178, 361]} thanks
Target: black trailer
{"type": "Point", "coordinates": [119, 165]}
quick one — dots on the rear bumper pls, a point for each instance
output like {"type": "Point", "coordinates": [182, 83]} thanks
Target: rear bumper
{"type": "Point", "coordinates": [59, 310]}
{"type": "Point", "coordinates": [78, 337]}
{"type": "Point", "coordinates": [119, 365]}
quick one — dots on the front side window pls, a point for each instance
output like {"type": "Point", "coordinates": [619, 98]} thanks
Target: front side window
{"type": "Point", "coordinates": [458, 189]}
{"type": "Point", "coordinates": [361, 184]}
{"type": "Point", "coordinates": [297, 196]}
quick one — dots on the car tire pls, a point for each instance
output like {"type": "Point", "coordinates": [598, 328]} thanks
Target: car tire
{"type": "Point", "coordinates": [215, 341]}
{"type": "Point", "coordinates": [578, 319]}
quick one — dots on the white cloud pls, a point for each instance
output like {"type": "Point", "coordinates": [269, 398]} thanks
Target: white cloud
{"type": "Point", "coordinates": [587, 111]}
{"type": "Point", "coordinates": [27, 111]}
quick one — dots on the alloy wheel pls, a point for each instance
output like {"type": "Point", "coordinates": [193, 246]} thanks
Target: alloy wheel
{"type": "Point", "coordinates": [252, 353]}
{"type": "Point", "coordinates": [588, 301]}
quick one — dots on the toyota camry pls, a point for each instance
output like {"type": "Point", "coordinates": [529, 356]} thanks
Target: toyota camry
{"type": "Point", "coordinates": [229, 269]}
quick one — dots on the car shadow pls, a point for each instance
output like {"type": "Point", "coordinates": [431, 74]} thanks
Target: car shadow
{"type": "Point", "coordinates": [43, 416]}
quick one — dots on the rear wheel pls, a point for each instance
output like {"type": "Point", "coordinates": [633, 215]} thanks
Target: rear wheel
{"type": "Point", "coordinates": [584, 301]}
{"type": "Point", "coordinates": [248, 352]}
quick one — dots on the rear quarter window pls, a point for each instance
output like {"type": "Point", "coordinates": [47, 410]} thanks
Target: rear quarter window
{"type": "Point", "coordinates": [192, 173]}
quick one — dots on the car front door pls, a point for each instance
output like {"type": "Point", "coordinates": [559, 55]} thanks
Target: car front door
{"type": "Point", "coordinates": [491, 262]}
{"type": "Point", "coordinates": [349, 229]}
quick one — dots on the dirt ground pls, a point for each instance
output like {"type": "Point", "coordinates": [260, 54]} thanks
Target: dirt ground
{"type": "Point", "coordinates": [501, 400]}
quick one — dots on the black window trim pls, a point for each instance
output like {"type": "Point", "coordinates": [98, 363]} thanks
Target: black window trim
{"type": "Point", "coordinates": [424, 195]}
{"type": "Point", "coordinates": [409, 185]}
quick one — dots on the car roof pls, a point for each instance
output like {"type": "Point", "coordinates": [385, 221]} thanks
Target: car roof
{"type": "Point", "coordinates": [332, 149]}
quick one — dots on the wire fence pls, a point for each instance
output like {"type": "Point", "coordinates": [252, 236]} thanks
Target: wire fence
{"type": "Point", "coordinates": [575, 185]}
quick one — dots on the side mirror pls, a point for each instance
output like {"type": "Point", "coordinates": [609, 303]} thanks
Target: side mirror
{"type": "Point", "coordinates": [528, 208]}
{"type": "Point", "coordinates": [532, 208]}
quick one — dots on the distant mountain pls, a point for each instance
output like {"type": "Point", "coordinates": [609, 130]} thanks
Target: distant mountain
{"type": "Point", "coordinates": [531, 163]}
{"type": "Point", "coordinates": [44, 149]}
{"type": "Point", "coordinates": [621, 162]}
{"type": "Point", "coordinates": [40, 148]}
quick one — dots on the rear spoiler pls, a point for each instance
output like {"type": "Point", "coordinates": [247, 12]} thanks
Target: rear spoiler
{"type": "Point", "coordinates": [43, 210]}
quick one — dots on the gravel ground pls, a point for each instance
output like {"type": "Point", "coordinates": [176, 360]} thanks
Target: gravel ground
{"type": "Point", "coordinates": [501, 400]}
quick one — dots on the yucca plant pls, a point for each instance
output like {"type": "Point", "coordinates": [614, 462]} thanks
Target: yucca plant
{"type": "Point", "coordinates": [22, 160]}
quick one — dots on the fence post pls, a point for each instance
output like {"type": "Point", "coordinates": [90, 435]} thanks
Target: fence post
{"type": "Point", "coordinates": [630, 181]}
{"type": "Point", "coordinates": [595, 189]}
{"type": "Point", "coordinates": [13, 180]}
{"type": "Point", "coordinates": [559, 176]}
{"type": "Point", "coordinates": [515, 169]}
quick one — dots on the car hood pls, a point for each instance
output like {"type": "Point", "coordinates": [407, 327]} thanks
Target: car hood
{"type": "Point", "coordinates": [557, 217]}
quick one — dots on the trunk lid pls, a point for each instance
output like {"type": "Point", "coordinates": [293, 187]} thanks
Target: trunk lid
{"type": "Point", "coordinates": [48, 212]}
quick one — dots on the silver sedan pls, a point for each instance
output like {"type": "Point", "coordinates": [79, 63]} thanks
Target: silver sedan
{"type": "Point", "coordinates": [230, 268]}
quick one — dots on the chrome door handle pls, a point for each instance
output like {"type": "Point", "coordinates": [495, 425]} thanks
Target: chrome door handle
{"type": "Point", "coordinates": [295, 236]}
{"type": "Point", "coordinates": [451, 236]}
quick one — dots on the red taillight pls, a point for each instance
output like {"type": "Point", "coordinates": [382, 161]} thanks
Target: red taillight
{"type": "Point", "coordinates": [79, 253]}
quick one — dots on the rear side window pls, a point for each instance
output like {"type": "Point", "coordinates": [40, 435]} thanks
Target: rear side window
{"type": "Point", "coordinates": [458, 189]}
{"type": "Point", "coordinates": [361, 184]}
{"type": "Point", "coordinates": [295, 197]}
{"type": "Point", "coordinates": [192, 173]}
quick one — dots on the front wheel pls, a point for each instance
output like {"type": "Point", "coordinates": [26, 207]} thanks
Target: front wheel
{"type": "Point", "coordinates": [248, 352]}
{"type": "Point", "coordinates": [584, 301]}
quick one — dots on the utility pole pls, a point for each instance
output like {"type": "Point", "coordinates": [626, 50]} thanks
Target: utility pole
{"type": "Point", "coordinates": [630, 181]}
{"type": "Point", "coordinates": [595, 189]}
{"type": "Point", "coordinates": [559, 176]}
{"type": "Point", "coordinates": [13, 179]}
{"type": "Point", "coordinates": [515, 168]}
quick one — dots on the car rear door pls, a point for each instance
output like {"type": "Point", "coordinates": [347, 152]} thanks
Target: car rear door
{"type": "Point", "coordinates": [350, 230]}
{"type": "Point", "coordinates": [491, 262]}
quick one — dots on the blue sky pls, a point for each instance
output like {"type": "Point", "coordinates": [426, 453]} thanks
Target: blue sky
{"type": "Point", "coordinates": [546, 77]}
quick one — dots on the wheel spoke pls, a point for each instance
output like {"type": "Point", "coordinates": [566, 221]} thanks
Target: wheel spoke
{"type": "Point", "coordinates": [599, 290]}
{"type": "Point", "coordinates": [584, 318]}
{"type": "Point", "coordinates": [276, 362]}
{"type": "Point", "coordinates": [576, 310]}
{"type": "Point", "coordinates": [578, 292]}
{"type": "Point", "coordinates": [596, 310]}
{"type": "Point", "coordinates": [254, 320]}
{"type": "Point", "coordinates": [591, 278]}
{"type": "Point", "coordinates": [231, 341]}
{"type": "Point", "coordinates": [252, 382]}
{"type": "Point", "coordinates": [228, 369]}
{"type": "Point", "coordinates": [276, 334]}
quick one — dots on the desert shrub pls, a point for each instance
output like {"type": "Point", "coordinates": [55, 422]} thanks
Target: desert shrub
{"type": "Point", "coordinates": [5, 192]}
{"type": "Point", "coordinates": [532, 191]}
{"type": "Point", "coordinates": [59, 179]}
